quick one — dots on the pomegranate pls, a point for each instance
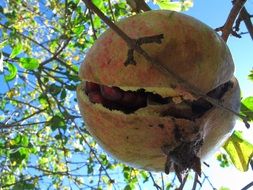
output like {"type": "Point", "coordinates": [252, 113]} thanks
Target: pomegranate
{"type": "Point", "coordinates": [143, 116]}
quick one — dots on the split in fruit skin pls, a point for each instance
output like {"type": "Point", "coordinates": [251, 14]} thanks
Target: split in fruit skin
{"type": "Point", "coordinates": [114, 98]}
{"type": "Point", "coordinates": [183, 156]}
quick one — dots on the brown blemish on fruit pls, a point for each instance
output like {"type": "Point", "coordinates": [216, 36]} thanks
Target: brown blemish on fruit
{"type": "Point", "coordinates": [161, 126]}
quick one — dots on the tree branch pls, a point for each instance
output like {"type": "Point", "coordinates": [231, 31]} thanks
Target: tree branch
{"type": "Point", "coordinates": [133, 44]}
{"type": "Point", "coordinates": [154, 183]}
{"type": "Point", "coordinates": [138, 5]}
{"type": "Point", "coordinates": [245, 16]}
{"type": "Point", "coordinates": [248, 186]}
{"type": "Point", "coordinates": [227, 28]}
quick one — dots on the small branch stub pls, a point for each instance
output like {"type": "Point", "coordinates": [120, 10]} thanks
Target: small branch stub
{"type": "Point", "coordinates": [144, 40]}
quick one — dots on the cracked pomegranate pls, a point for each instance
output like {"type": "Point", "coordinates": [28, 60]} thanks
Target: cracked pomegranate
{"type": "Point", "coordinates": [144, 117]}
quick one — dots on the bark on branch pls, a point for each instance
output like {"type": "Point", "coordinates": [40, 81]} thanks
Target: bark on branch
{"type": "Point", "coordinates": [227, 28]}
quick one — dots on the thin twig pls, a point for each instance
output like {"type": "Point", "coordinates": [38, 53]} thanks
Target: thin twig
{"type": "Point", "coordinates": [29, 116]}
{"type": "Point", "coordinates": [228, 26]}
{"type": "Point", "coordinates": [245, 16]}
{"type": "Point", "coordinates": [57, 53]}
{"type": "Point", "coordinates": [42, 46]}
{"type": "Point", "coordinates": [154, 183]}
{"type": "Point", "coordinates": [132, 43]}
{"type": "Point", "coordinates": [92, 25]}
{"type": "Point", "coordinates": [138, 5]}
{"type": "Point", "coordinates": [208, 180]}
{"type": "Point", "coordinates": [196, 181]}
{"type": "Point", "coordinates": [163, 185]}
{"type": "Point", "coordinates": [248, 186]}
{"type": "Point", "coordinates": [111, 10]}
{"type": "Point", "coordinates": [183, 182]}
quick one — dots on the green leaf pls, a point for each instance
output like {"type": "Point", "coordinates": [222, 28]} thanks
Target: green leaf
{"type": "Point", "coordinates": [24, 141]}
{"type": "Point", "coordinates": [174, 6]}
{"type": "Point", "coordinates": [251, 75]}
{"type": "Point", "coordinates": [71, 87]}
{"type": "Point", "coordinates": [24, 185]}
{"type": "Point", "coordinates": [3, 44]}
{"type": "Point", "coordinates": [12, 72]}
{"type": "Point", "coordinates": [247, 107]}
{"type": "Point", "coordinates": [16, 50]}
{"type": "Point", "coordinates": [239, 150]}
{"type": "Point", "coordinates": [222, 158]}
{"type": "Point", "coordinates": [97, 22]}
{"type": "Point", "coordinates": [98, 3]}
{"type": "Point", "coordinates": [17, 157]}
{"type": "Point", "coordinates": [29, 63]}
{"type": "Point", "coordinates": [54, 89]}
{"type": "Point", "coordinates": [224, 188]}
{"type": "Point", "coordinates": [43, 100]}
{"type": "Point", "coordinates": [63, 94]}
{"type": "Point", "coordinates": [78, 30]}
{"type": "Point", "coordinates": [127, 187]}
{"type": "Point", "coordinates": [57, 122]}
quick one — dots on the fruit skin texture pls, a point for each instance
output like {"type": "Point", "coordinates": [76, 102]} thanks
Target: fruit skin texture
{"type": "Point", "coordinates": [189, 48]}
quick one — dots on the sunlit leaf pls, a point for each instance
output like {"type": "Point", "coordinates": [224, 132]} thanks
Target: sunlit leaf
{"type": "Point", "coordinates": [29, 63]}
{"type": "Point", "coordinates": [175, 5]}
{"type": "Point", "coordinates": [43, 100]}
{"type": "Point", "coordinates": [97, 22]}
{"type": "Point", "coordinates": [3, 44]}
{"type": "Point", "coordinates": [12, 71]}
{"type": "Point", "coordinates": [16, 50]}
{"type": "Point", "coordinates": [224, 188]}
{"type": "Point", "coordinates": [251, 75]}
{"type": "Point", "coordinates": [239, 150]}
{"type": "Point", "coordinates": [247, 107]}
{"type": "Point", "coordinates": [98, 3]}
{"type": "Point", "coordinates": [78, 30]}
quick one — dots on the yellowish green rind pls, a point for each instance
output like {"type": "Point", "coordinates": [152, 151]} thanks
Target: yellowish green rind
{"type": "Point", "coordinates": [189, 48]}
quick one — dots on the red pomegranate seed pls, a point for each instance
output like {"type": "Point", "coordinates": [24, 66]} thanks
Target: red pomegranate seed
{"type": "Point", "coordinates": [96, 97]}
{"type": "Point", "coordinates": [111, 93]}
{"type": "Point", "coordinates": [90, 87]}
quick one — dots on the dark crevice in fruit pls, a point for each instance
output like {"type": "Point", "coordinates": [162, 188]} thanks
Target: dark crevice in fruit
{"type": "Point", "coordinates": [197, 108]}
{"type": "Point", "coordinates": [115, 98]}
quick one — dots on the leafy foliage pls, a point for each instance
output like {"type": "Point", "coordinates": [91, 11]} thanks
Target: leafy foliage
{"type": "Point", "coordinates": [239, 150]}
{"type": "Point", "coordinates": [247, 107]}
{"type": "Point", "coordinates": [174, 5]}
